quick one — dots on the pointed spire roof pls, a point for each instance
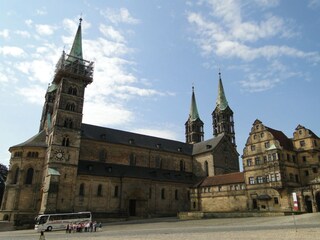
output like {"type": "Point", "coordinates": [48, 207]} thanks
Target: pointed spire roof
{"type": "Point", "coordinates": [76, 50]}
{"type": "Point", "coordinates": [194, 114]}
{"type": "Point", "coordinates": [221, 102]}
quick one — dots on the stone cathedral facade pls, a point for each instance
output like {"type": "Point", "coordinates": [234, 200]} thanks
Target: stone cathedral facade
{"type": "Point", "coordinates": [70, 166]}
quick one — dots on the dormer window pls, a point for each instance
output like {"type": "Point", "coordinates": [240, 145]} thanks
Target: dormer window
{"type": "Point", "coordinates": [158, 145]}
{"type": "Point", "coordinates": [208, 146]}
{"type": "Point", "coordinates": [131, 141]}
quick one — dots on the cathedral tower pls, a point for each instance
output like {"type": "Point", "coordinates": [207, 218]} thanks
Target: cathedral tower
{"type": "Point", "coordinates": [194, 125]}
{"type": "Point", "coordinates": [62, 118]}
{"type": "Point", "coordinates": [222, 116]}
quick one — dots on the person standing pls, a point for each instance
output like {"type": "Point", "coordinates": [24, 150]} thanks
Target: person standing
{"type": "Point", "coordinates": [42, 237]}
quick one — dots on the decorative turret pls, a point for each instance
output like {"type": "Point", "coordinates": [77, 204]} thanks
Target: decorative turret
{"type": "Point", "coordinates": [222, 116]}
{"type": "Point", "coordinates": [194, 125]}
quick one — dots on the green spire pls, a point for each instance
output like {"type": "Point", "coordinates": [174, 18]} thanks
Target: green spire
{"type": "Point", "coordinates": [76, 50]}
{"type": "Point", "coordinates": [194, 115]}
{"type": "Point", "coordinates": [221, 102]}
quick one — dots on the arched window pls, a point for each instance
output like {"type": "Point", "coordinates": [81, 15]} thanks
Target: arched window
{"type": "Point", "coordinates": [72, 90]}
{"type": "Point", "coordinates": [71, 107]}
{"type": "Point", "coordinates": [163, 193]}
{"type": "Point", "coordinates": [81, 189]}
{"type": "Point", "coordinates": [99, 190]}
{"type": "Point", "coordinates": [176, 194]}
{"type": "Point", "coordinates": [65, 142]}
{"type": "Point", "coordinates": [206, 168]}
{"type": "Point", "coordinates": [132, 159]}
{"type": "Point", "coordinates": [16, 176]}
{"type": "Point", "coordinates": [29, 176]}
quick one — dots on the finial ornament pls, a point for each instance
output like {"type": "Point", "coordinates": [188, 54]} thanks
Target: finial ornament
{"type": "Point", "coordinates": [80, 19]}
{"type": "Point", "coordinates": [219, 74]}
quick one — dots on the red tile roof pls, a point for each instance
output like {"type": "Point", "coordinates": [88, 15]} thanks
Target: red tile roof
{"type": "Point", "coordinates": [225, 179]}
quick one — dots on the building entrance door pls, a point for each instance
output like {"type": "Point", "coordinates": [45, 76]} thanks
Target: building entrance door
{"type": "Point", "coordinates": [254, 204]}
{"type": "Point", "coordinates": [308, 203]}
{"type": "Point", "coordinates": [132, 207]}
{"type": "Point", "coordinates": [318, 201]}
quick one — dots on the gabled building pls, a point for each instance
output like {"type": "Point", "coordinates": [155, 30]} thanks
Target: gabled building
{"type": "Point", "coordinates": [276, 168]}
{"type": "Point", "coordinates": [279, 175]}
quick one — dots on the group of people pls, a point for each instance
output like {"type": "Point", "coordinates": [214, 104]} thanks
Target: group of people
{"type": "Point", "coordinates": [83, 227]}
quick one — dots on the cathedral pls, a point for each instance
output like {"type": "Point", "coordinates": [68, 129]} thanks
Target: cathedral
{"type": "Point", "coordinates": [70, 166]}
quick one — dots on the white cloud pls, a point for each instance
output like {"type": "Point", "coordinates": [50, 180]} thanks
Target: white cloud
{"type": "Point", "coordinates": [314, 4]}
{"type": "Point", "coordinates": [268, 3]}
{"type": "Point", "coordinates": [28, 22]}
{"type": "Point", "coordinates": [71, 25]}
{"type": "Point", "coordinates": [228, 37]}
{"type": "Point", "coordinates": [38, 70]}
{"type": "Point", "coordinates": [119, 16]}
{"type": "Point", "coordinates": [32, 94]}
{"type": "Point", "coordinates": [161, 133]}
{"type": "Point", "coordinates": [41, 11]}
{"type": "Point", "coordinates": [97, 112]}
{"type": "Point", "coordinates": [4, 33]}
{"type": "Point", "coordinates": [24, 34]}
{"type": "Point", "coordinates": [258, 80]}
{"type": "Point", "coordinates": [7, 74]}
{"type": "Point", "coordinates": [111, 33]}
{"type": "Point", "coordinates": [44, 29]}
{"type": "Point", "coordinates": [11, 51]}
{"type": "Point", "coordinates": [3, 77]}
{"type": "Point", "coordinates": [115, 80]}
{"type": "Point", "coordinates": [229, 32]}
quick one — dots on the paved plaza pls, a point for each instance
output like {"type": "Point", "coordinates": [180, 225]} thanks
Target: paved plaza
{"type": "Point", "coordinates": [305, 226]}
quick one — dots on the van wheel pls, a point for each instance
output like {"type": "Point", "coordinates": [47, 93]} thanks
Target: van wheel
{"type": "Point", "coordinates": [49, 228]}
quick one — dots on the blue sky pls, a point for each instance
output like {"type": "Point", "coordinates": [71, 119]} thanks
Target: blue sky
{"type": "Point", "coordinates": [148, 54]}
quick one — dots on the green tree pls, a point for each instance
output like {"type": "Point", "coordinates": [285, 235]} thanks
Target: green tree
{"type": "Point", "coordinates": [3, 177]}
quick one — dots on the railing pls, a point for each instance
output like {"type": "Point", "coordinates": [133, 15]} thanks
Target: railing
{"type": "Point", "coordinates": [75, 66]}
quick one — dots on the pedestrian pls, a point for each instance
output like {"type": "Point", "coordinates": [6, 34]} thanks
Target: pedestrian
{"type": "Point", "coordinates": [91, 226]}
{"type": "Point", "coordinates": [42, 237]}
{"type": "Point", "coordinates": [95, 226]}
{"type": "Point", "coordinates": [100, 226]}
{"type": "Point", "coordinates": [67, 228]}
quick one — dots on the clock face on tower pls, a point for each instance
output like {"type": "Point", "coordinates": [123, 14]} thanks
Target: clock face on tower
{"type": "Point", "coordinates": [59, 155]}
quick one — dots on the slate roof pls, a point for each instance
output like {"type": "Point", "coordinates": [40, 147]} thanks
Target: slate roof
{"type": "Point", "coordinates": [206, 146]}
{"type": "Point", "coordinates": [284, 141]}
{"type": "Point", "coordinates": [225, 179]}
{"type": "Point", "coordinates": [39, 140]}
{"type": "Point", "coordinates": [128, 138]}
{"type": "Point", "coordinates": [94, 168]}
